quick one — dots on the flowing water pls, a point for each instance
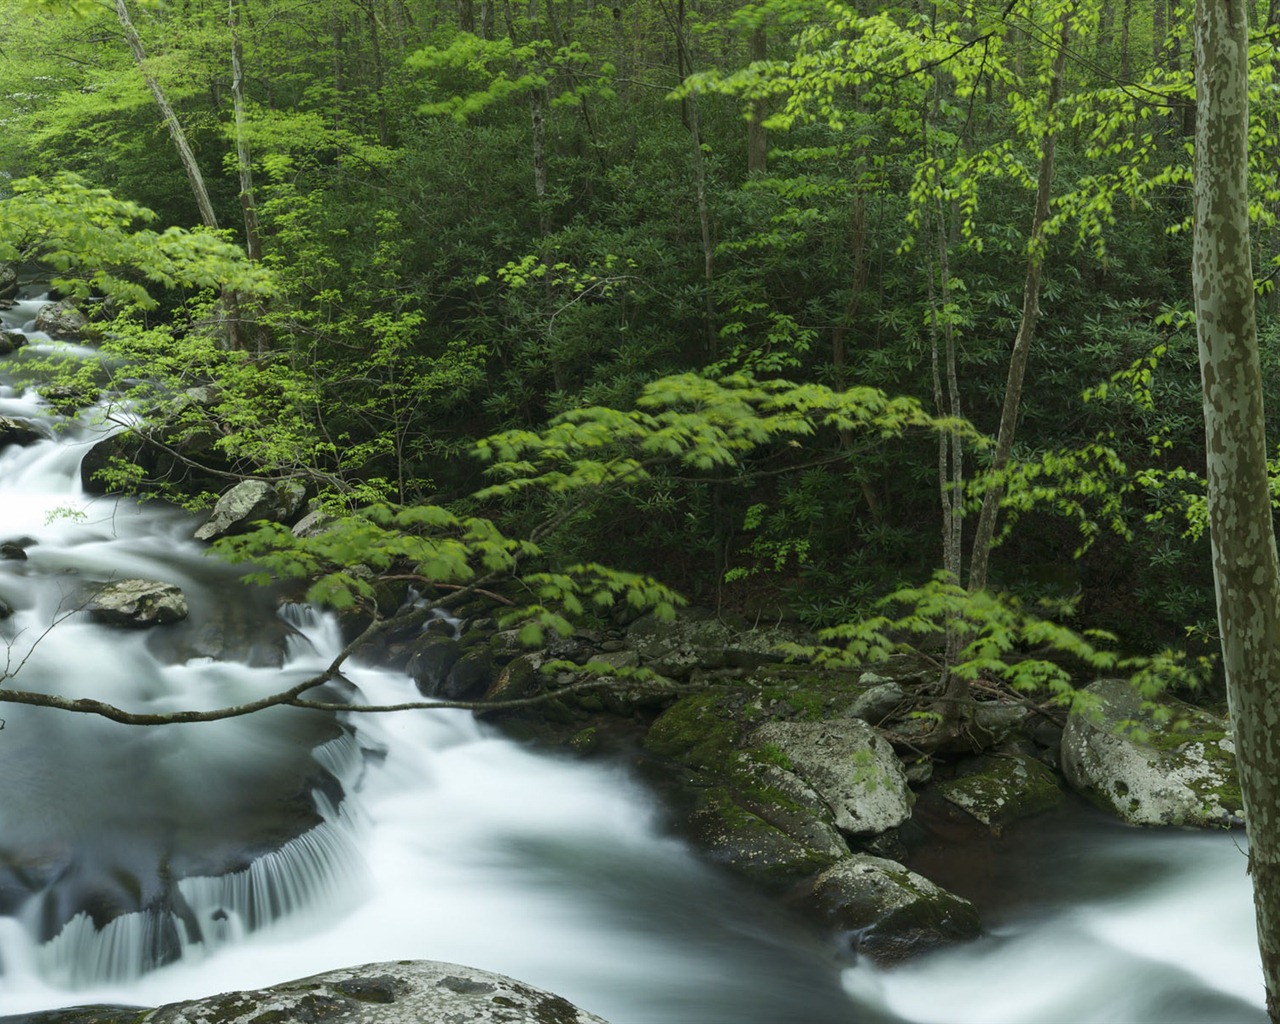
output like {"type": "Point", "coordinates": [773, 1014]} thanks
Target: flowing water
{"type": "Point", "coordinates": [146, 865]}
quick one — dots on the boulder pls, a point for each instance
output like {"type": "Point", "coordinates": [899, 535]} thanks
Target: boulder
{"type": "Point", "coordinates": [8, 281]}
{"type": "Point", "coordinates": [241, 507]}
{"type": "Point", "coordinates": [889, 912]}
{"type": "Point", "coordinates": [1002, 788]}
{"type": "Point", "coordinates": [138, 603]}
{"type": "Point", "coordinates": [61, 320]}
{"type": "Point", "coordinates": [403, 992]}
{"type": "Point", "coordinates": [768, 853]}
{"type": "Point", "coordinates": [849, 765]}
{"type": "Point", "coordinates": [19, 432]}
{"type": "Point", "coordinates": [1180, 771]}
{"type": "Point", "coordinates": [692, 642]}
{"type": "Point", "coordinates": [11, 341]}
{"type": "Point", "coordinates": [15, 550]}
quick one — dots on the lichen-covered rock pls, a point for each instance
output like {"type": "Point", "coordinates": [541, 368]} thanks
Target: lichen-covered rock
{"type": "Point", "coordinates": [889, 912]}
{"type": "Point", "coordinates": [138, 603]}
{"type": "Point", "coordinates": [1177, 772]}
{"type": "Point", "coordinates": [403, 992]}
{"type": "Point", "coordinates": [246, 503]}
{"type": "Point", "coordinates": [849, 765]}
{"type": "Point", "coordinates": [1002, 788]}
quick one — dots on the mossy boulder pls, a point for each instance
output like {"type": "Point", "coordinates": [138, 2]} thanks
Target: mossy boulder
{"type": "Point", "coordinates": [1161, 763]}
{"type": "Point", "coordinates": [1002, 788]}
{"type": "Point", "coordinates": [888, 912]}
{"type": "Point", "coordinates": [730, 832]}
{"type": "Point", "coordinates": [851, 767]}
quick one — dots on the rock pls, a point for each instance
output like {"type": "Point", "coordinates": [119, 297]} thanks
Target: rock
{"type": "Point", "coordinates": [1000, 789]}
{"type": "Point", "coordinates": [849, 765]}
{"type": "Point", "coordinates": [138, 603]}
{"type": "Point", "coordinates": [1182, 772]}
{"type": "Point", "coordinates": [879, 701]}
{"type": "Point", "coordinates": [758, 850]}
{"type": "Point", "coordinates": [433, 659]}
{"type": "Point", "coordinates": [18, 432]}
{"type": "Point", "coordinates": [312, 524]}
{"type": "Point", "coordinates": [61, 320]}
{"type": "Point", "coordinates": [6, 610]}
{"type": "Point", "coordinates": [69, 399]}
{"type": "Point", "coordinates": [15, 550]}
{"type": "Point", "coordinates": [11, 341]}
{"type": "Point", "coordinates": [403, 992]}
{"type": "Point", "coordinates": [8, 281]}
{"type": "Point", "coordinates": [891, 913]}
{"type": "Point", "coordinates": [676, 649]}
{"type": "Point", "coordinates": [241, 507]}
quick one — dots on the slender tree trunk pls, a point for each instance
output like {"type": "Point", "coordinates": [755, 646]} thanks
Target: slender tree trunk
{"type": "Point", "coordinates": [1246, 570]}
{"type": "Point", "coordinates": [1126, 65]}
{"type": "Point", "coordinates": [984, 532]}
{"type": "Point", "coordinates": [248, 205]}
{"type": "Point", "coordinates": [757, 136]}
{"type": "Point", "coordinates": [244, 163]}
{"type": "Point", "coordinates": [188, 158]}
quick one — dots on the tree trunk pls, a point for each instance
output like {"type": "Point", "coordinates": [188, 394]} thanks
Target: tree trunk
{"type": "Point", "coordinates": [984, 532]}
{"type": "Point", "coordinates": [1245, 567]}
{"type": "Point", "coordinates": [757, 136]}
{"type": "Point", "coordinates": [244, 164]}
{"type": "Point", "coordinates": [188, 158]}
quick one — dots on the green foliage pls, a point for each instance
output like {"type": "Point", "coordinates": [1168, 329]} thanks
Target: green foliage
{"type": "Point", "coordinates": [1001, 640]}
{"type": "Point", "coordinates": [92, 241]}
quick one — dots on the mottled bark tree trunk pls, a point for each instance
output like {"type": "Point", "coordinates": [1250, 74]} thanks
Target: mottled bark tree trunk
{"type": "Point", "coordinates": [1245, 567]}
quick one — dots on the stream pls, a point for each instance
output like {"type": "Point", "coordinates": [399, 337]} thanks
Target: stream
{"type": "Point", "coordinates": [147, 865]}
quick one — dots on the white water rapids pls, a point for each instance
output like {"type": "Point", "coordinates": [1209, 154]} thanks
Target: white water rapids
{"type": "Point", "coordinates": [454, 843]}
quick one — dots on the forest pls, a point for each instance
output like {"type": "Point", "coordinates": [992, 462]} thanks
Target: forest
{"type": "Point", "coordinates": [457, 221]}
{"type": "Point", "coordinates": [870, 322]}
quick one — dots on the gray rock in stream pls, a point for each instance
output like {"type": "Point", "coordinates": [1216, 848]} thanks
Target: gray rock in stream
{"type": "Point", "coordinates": [1180, 771]}
{"type": "Point", "coordinates": [403, 992]}
{"type": "Point", "coordinates": [889, 912]}
{"type": "Point", "coordinates": [849, 765]}
{"type": "Point", "coordinates": [61, 320]}
{"type": "Point", "coordinates": [138, 603]}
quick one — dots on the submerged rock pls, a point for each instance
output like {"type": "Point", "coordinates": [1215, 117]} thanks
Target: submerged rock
{"type": "Point", "coordinates": [403, 992]}
{"type": "Point", "coordinates": [138, 603]}
{"type": "Point", "coordinates": [1177, 772]}
{"type": "Point", "coordinates": [888, 911]}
